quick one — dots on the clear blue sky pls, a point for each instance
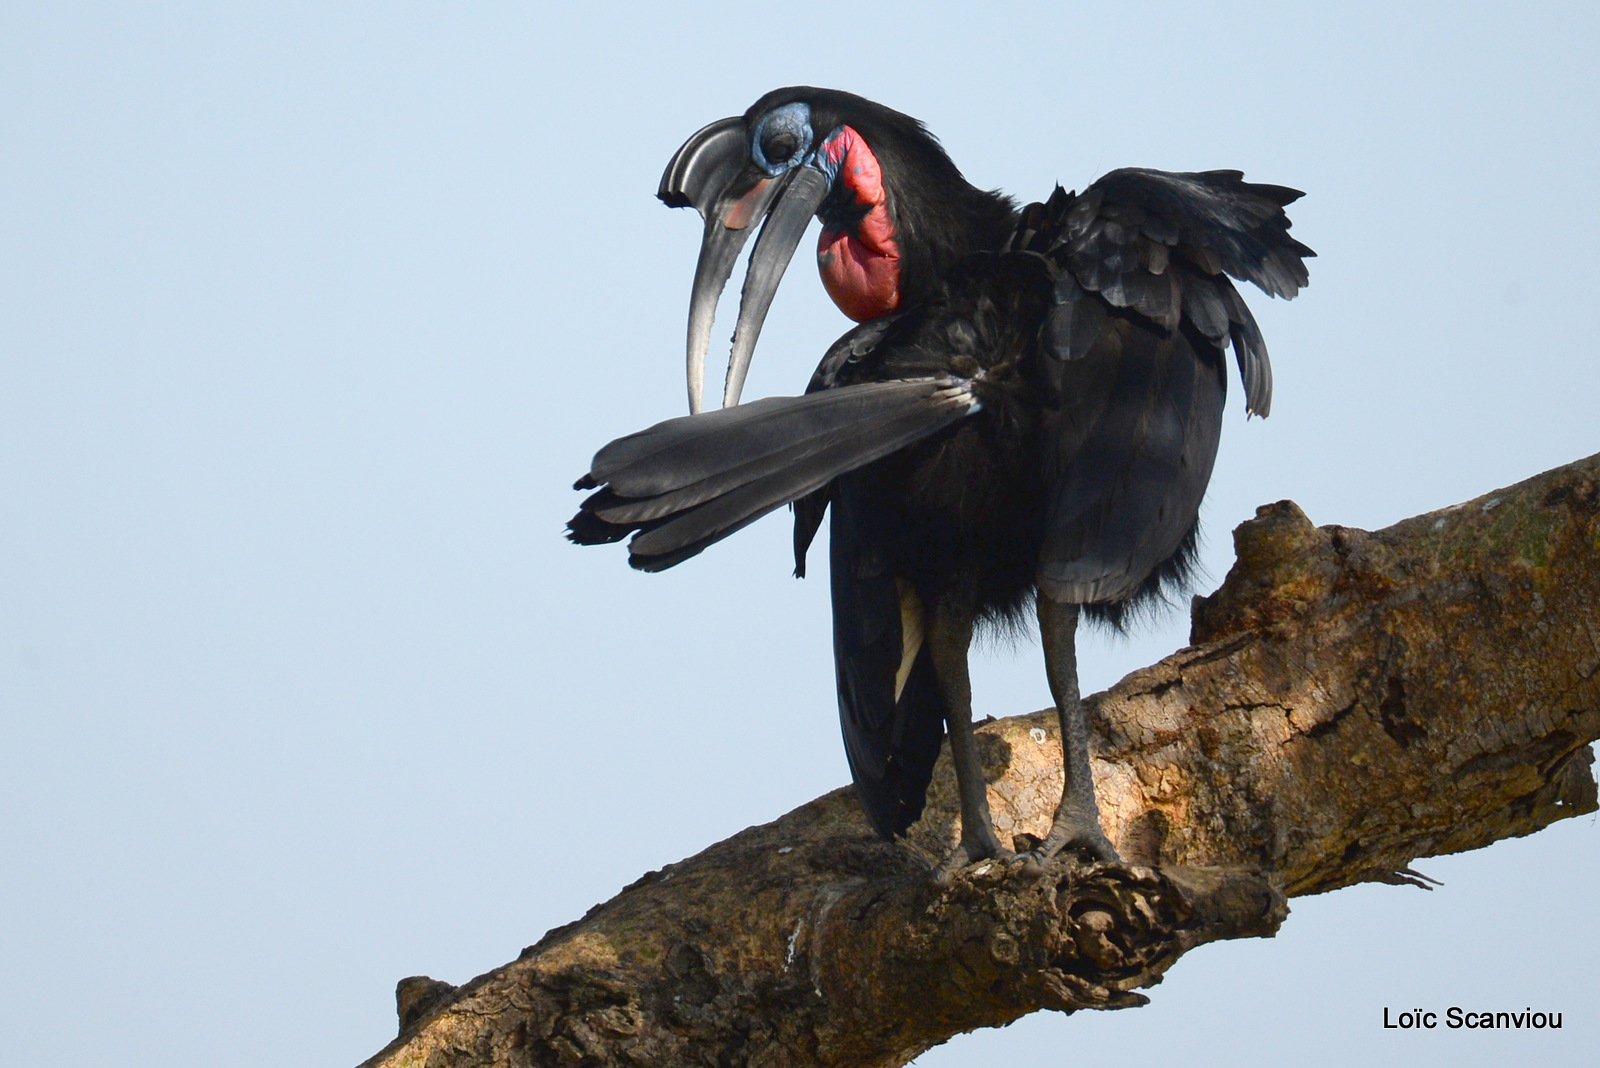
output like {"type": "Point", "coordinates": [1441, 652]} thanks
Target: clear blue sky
{"type": "Point", "coordinates": [310, 314]}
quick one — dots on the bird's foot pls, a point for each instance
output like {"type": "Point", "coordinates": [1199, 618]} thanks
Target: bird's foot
{"type": "Point", "coordinates": [1084, 837]}
{"type": "Point", "coordinates": [967, 854]}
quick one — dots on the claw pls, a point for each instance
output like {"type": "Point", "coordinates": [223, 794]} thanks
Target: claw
{"type": "Point", "coordinates": [1090, 843]}
{"type": "Point", "coordinates": [965, 856]}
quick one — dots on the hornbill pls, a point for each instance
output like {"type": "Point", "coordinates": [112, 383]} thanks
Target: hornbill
{"type": "Point", "coordinates": [1027, 414]}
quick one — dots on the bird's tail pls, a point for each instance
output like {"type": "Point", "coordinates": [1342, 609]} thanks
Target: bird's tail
{"type": "Point", "coordinates": [689, 482]}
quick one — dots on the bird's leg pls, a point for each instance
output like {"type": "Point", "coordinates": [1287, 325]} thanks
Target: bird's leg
{"type": "Point", "coordinates": [949, 637]}
{"type": "Point", "coordinates": [1077, 822]}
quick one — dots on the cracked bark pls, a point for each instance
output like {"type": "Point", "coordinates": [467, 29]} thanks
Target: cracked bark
{"type": "Point", "coordinates": [1349, 702]}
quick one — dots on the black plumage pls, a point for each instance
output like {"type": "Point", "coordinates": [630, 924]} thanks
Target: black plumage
{"type": "Point", "coordinates": [1032, 419]}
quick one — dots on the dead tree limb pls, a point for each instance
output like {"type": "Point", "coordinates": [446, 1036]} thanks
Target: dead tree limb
{"type": "Point", "coordinates": [1350, 701]}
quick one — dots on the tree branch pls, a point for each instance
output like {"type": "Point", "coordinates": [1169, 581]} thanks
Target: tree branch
{"type": "Point", "coordinates": [1349, 702]}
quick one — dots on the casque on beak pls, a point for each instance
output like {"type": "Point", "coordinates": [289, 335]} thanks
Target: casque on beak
{"type": "Point", "coordinates": [713, 173]}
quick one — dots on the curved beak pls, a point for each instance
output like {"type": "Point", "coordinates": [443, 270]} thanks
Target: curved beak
{"type": "Point", "coordinates": [713, 173]}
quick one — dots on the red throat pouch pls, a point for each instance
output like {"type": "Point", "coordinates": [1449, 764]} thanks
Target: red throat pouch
{"type": "Point", "coordinates": [860, 266]}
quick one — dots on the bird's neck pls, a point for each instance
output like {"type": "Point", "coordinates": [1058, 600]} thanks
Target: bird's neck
{"type": "Point", "coordinates": [944, 224]}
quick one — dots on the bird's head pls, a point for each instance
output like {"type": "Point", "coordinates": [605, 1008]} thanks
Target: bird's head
{"type": "Point", "coordinates": [894, 209]}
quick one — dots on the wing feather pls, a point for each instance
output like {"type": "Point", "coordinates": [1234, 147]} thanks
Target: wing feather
{"type": "Point", "coordinates": [1161, 245]}
{"type": "Point", "coordinates": [891, 713]}
{"type": "Point", "coordinates": [1131, 357]}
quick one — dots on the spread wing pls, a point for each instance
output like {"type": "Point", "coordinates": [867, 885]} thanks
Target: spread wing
{"type": "Point", "coordinates": [1162, 245]}
{"type": "Point", "coordinates": [1130, 355]}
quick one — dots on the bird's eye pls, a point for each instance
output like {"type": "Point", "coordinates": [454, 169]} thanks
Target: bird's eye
{"type": "Point", "coordinates": [779, 146]}
{"type": "Point", "coordinates": [782, 138]}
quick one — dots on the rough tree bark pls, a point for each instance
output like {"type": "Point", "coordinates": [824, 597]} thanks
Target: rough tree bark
{"type": "Point", "coordinates": [1350, 701]}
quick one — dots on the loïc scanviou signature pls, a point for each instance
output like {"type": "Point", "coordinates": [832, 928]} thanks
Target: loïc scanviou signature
{"type": "Point", "coordinates": [1456, 1017]}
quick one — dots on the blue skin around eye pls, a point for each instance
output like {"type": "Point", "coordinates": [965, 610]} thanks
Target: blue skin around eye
{"type": "Point", "coordinates": [796, 119]}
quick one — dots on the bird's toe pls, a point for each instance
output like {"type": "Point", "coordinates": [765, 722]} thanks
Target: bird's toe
{"type": "Point", "coordinates": [966, 855]}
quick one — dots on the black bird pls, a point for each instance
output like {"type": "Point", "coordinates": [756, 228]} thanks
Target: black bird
{"type": "Point", "coordinates": [1027, 414]}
